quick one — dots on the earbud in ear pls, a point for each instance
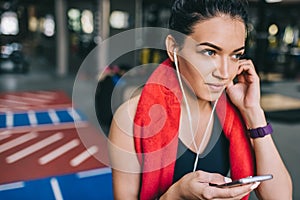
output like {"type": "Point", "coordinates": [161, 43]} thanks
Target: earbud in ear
{"type": "Point", "coordinates": [175, 56]}
{"type": "Point", "coordinates": [175, 59]}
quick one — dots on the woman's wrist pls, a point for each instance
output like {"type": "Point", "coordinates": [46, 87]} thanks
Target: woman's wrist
{"type": "Point", "coordinates": [170, 194]}
{"type": "Point", "coordinates": [254, 118]}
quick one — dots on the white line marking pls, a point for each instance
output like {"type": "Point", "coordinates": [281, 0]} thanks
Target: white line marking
{"type": "Point", "coordinates": [17, 141]}
{"type": "Point", "coordinates": [29, 99]}
{"type": "Point", "coordinates": [14, 108]}
{"type": "Point", "coordinates": [40, 96]}
{"type": "Point", "coordinates": [58, 152]}
{"type": "Point", "coordinates": [94, 172]}
{"type": "Point", "coordinates": [74, 114]}
{"type": "Point", "coordinates": [48, 127]}
{"type": "Point", "coordinates": [53, 116]}
{"type": "Point", "coordinates": [32, 118]}
{"type": "Point", "coordinates": [56, 189]}
{"type": "Point", "coordinates": [33, 148]}
{"type": "Point", "coordinates": [24, 98]}
{"type": "Point", "coordinates": [12, 186]}
{"type": "Point", "coordinates": [9, 119]}
{"type": "Point", "coordinates": [2, 137]}
{"type": "Point", "coordinates": [83, 156]}
{"type": "Point", "coordinates": [11, 101]}
{"type": "Point", "coordinates": [5, 134]}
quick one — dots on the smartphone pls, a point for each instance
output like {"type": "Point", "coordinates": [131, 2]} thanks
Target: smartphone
{"type": "Point", "coordinates": [243, 181]}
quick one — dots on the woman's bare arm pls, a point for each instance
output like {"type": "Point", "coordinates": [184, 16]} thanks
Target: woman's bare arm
{"type": "Point", "coordinates": [246, 96]}
{"type": "Point", "coordinates": [124, 162]}
{"type": "Point", "coordinates": [268, 161]}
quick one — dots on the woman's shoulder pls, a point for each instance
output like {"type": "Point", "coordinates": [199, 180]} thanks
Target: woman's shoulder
{"type": "Point", "coordinates": [127, 109]}
{"type": "Point", "coordinates": [121, 146]}
{"type": "Point", "coordinates": [123, 118]}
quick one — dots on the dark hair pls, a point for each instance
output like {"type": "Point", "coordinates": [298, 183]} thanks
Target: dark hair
{"type": "Point", "coordinates": [186, 13]}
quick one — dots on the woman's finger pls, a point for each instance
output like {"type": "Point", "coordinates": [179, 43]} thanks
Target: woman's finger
{"type": "Point", "coordinates": [229, 193]}
{"type": "Point", "coordinates": [206, 177]}
{"type": "Point", "coordinates": [246, 65]}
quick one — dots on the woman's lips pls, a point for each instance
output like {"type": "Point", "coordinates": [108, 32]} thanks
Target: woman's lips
{"type": "Point", "coordinates": [215, 87]}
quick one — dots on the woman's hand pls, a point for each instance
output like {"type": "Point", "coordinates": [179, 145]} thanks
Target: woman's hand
{"type": "Point", "coordinates": [195, 186]}
{"type": "Point", "coordinates": [245, 94]}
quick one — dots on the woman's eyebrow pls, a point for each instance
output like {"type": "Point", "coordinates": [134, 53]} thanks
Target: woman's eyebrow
{"type": "Point", "coordinates": [219, 48]}
{"type": "Point", "coordinates": [210, 45]}
{"type": "Point", "coordinates": [239, 49]}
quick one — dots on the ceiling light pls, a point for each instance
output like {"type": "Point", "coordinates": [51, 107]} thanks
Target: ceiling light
{"type": "Point", "coordinates": [273, 1]}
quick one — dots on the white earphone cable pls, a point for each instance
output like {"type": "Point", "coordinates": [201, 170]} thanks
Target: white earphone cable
{"type": "Point", "coordinates": [198, 149]}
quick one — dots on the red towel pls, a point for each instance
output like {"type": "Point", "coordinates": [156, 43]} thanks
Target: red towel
{"type": "Point", "coordinates": [156, 133]}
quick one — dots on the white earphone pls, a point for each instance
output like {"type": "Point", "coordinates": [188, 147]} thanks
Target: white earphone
{"type": "Point", "coordinates": [175, 56]}
{"type": "Point", "coordinates": [190, 116]}
{"type": "Point", "coordinates": [176, 62]}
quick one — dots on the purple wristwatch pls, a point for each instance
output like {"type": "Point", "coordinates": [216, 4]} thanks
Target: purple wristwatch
{"type": "Point", "coordinates": [261, 131]}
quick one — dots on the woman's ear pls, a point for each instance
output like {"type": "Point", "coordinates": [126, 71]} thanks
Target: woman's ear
{"type": "Point", "coordinates": [171, 47]}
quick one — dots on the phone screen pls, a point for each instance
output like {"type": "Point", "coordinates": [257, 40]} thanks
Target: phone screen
{"type": "Point", "coordinates": [243, 181]}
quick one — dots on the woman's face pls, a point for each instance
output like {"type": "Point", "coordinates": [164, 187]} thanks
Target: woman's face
{"type": "Point", "coordinates": [210, 60]}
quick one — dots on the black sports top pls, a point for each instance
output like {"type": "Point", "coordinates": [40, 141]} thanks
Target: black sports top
{"type": "Point", "coordinates": [214, 159]}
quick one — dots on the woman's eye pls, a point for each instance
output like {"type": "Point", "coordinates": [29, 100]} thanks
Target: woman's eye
{"type": "Point", "coordinates": [208, 52]}
{"type": "Point", "coordinates": [237, 56]}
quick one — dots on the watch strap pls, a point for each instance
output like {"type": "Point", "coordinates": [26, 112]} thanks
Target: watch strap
{"type": "Point", "coordinates": [261, 131]}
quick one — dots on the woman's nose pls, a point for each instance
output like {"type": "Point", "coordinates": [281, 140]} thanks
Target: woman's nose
{"type": "Point", "coordinates": [222, 69]}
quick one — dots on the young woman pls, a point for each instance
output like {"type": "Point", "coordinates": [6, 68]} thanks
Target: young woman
{"type": "Point", "coordinates": [193, 125]}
